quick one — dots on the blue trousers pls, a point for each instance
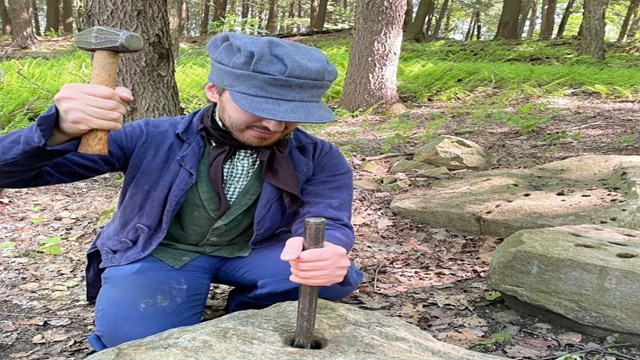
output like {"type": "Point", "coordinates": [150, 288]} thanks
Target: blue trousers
{"type": "Point", "coordinates": [148, 296]}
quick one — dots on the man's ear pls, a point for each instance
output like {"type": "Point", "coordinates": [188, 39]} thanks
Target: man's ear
{"type": "Point", "coordinates": [211, 91]}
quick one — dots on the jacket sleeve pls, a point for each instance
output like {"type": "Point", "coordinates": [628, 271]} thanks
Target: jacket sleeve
{"type": "Point", "coordinates": [27, 161]}
{"type": "Point", "coordinates": [328, 193]}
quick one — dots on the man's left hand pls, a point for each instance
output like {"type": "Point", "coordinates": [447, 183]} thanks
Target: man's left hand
{"type": "Point", "coordinates": [323, 266]}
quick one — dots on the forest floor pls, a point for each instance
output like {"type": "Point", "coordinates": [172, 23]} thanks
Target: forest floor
{"type": "Point", "coordinates": [429, 277]}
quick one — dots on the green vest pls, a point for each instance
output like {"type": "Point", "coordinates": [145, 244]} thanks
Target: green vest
{"type": "Point", "coordinates": [195, 230]}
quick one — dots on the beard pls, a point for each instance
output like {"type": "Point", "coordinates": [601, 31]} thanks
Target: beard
{"type": "Point", "coordinates": [252, 134]}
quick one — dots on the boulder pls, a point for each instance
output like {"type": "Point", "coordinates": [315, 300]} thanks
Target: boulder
{"type": "Point", "coordinates": [342, 332]}
{"type": "Point", "coordinates": [599, 189]}
{"type": "Point", "coordinates": [589, 274]}
{"type": "Point", "coordinates": [454, 153]}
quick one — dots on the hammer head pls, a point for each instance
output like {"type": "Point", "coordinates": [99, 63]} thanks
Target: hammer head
{"type": "Point", "coordinates": [110, 39]}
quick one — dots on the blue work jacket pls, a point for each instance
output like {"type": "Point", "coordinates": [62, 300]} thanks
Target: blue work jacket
{"type": "Point", "coordinates": [159, 159]}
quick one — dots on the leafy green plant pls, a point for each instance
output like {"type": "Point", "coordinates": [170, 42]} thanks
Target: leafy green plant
{"type": "Point", "coordinates": [36, 220]}
{"type": "Point", "coordinates": [497, 338]}
{"type": "Point", "coordinates": [50, 245]}
{"type": "Point", "coordinates": [494, 295]}
{"type": "Point", "coordinates": [571, 357]}
{"type": "Point", "coordinates": [561, 135]}
{"type": "Point", "coordinates": [71, 283]}
{"type": "Point", "coordinates": [623, 140]}
{"type": "Point", "coordinates": [7, 245]}
{"type": "Point", "coordinates": [524, 119]}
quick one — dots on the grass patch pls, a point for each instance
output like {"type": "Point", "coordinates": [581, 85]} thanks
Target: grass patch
{"type": "Point", "coordinates": [491, 72]}
{"type": "Point", "coordinates": [27, 86]}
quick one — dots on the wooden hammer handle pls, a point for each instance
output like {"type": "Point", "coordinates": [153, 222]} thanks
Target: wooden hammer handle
{"type": "Point", "coordinates": [104, 71]}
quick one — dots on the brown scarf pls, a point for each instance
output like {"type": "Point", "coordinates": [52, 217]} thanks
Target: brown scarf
{"type": "Point", "coordinates": [277, 168]}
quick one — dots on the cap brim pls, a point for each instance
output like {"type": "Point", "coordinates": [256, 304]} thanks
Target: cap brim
{"type": "Point", "coordinates": [283, 110]}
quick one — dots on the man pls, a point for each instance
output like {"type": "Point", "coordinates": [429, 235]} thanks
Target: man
{"type": "Point", "coordinates": [219, 195]}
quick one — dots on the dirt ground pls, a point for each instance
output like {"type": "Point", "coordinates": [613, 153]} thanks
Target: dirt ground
{"type": "Point", "coordinates": [429, 277]}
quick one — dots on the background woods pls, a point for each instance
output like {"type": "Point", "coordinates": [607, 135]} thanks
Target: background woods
{"type": "Point", "coordinates": [378, 26]}
{"type": "Point", "coordinates": [423, 19]}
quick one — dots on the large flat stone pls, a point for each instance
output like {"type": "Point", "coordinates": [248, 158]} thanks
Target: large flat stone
{"type": "Point", "coordinates": [582, 190]}
{"type": "Point", "coordinates": [589, 274]}
{"type": "Point", "coordinates": [345, 333]}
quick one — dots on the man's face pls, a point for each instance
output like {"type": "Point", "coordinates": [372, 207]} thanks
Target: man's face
{"type": "Point", "coordinates": [244, 126]}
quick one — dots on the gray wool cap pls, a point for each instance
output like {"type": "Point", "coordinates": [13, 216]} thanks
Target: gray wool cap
{"type": "Point", "coordinates": [272, 78]}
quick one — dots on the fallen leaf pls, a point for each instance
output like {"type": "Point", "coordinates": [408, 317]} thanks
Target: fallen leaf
{"type": "Point", "coordinates": [473, 321]}
{"type": "Point", "coordinates": [31, 286]}
{"type": "Point", "coordinates": [49, 337]}
{"type": "Point", "coordinates": [371, 167]}
{"type": "Point", "coordinates": [569, 338]}
{"type": "Point", "coordinates": [59, 321]}
{"type": "Point", "coordinates": [384, 223]}
{"type": "Point", "coordinates": [465, 338]}
{"type": "Point", "coordinates": [31, 321]}
{"type": "Point", "coordinates": [7, 326]}
{"type": "Point", "coordinates": [458, 301]}
{"type": "Point", "coordinates": [519, 351]}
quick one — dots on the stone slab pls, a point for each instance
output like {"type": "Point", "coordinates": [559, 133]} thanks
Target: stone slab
{"type": "Point", "coordinates": [598, 189]}
{"type": "Point", "coordinates": [588, 273]}
{"type": "Point", "coordinates": [344, 332]}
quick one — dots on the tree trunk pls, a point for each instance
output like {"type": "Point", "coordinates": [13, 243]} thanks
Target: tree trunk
{"type": "Point", "coordinates": [532, 21]}
{"type": "Point", "coordinates": [565, 19]}
{"type": "Point", "coordinates": [408, 16]}
{"type": "Point", "coordinates": [204, 20]}
{"type": "Point", "coordinates": [321, 15]}
{"type": "Point", "coordinates": [185, 17]}
{"type": "Point", "coordinates": [219, 11]}
{"type": "Point", "coordinates": [524, 13]}
{"type": "Point", "coordinates": [478, 25]}
{"type": "Point", "coordinates": [78, 14]}
{"type": "Point", "coordinates": [508, 24]}
{"type": "Point", "coordinates": [472, 23]}
{"type": "Point", "coordinates": [375, 52]}
{"type": "Point", "coordinates": [36, 18]}
{"type": "Point", "coordinates": [244, 12]}
{"type": "Point", "coordinates": [149, 73]}
{"type": "Point", "coordinates": [52, 16]}
{"type": "Point", "coordinates": [543, 14]}
{"type": "Point", "coordinates": [20, 13]}
{"type": "Point", "coordinates": [416, 29]}
{"type": "Point", "coordinates": [546, 30]}
{"type": "Point", "coordinates": [633, 29]}
{"type": "Point", "coordinates": [67, 17]}
{"type": "Point", "coordinates": [633, 7]}
{"type": "Point", "coordinates": [290, 16]}
{"type": "Point", "coordinates": [313, 11]}
{"type": "Point", "coordinates": [176, 26]}
{"type": "Point", "coordinates": [272, 17]}
{"type": "Point", "coordinates": [443, 13]}
{"type": "Point", "coordinates": [592, 41]}
{"type": "Point", "coordinates": [5, 19]}
{"type": "Point", "coordinates": [427, 26]}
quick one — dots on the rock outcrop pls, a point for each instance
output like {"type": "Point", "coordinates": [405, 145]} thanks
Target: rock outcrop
{"type": "Point", "coordinates": [454, 153]}
{"type": "Point", "coordinates": [589, 274]}
{"type": "Point", "coordinates": [342, 332]}
{"type": "Point", "coordinates": [583, 190]}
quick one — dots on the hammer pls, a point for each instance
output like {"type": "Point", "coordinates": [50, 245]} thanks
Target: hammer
{"type": "Point", "coordinates": [308, 295]}
{"type": "Point", "coordinates": [106, 44]}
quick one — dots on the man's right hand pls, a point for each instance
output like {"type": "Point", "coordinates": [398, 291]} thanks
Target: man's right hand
{"type": "Point", "coordinates": [84, 107]}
